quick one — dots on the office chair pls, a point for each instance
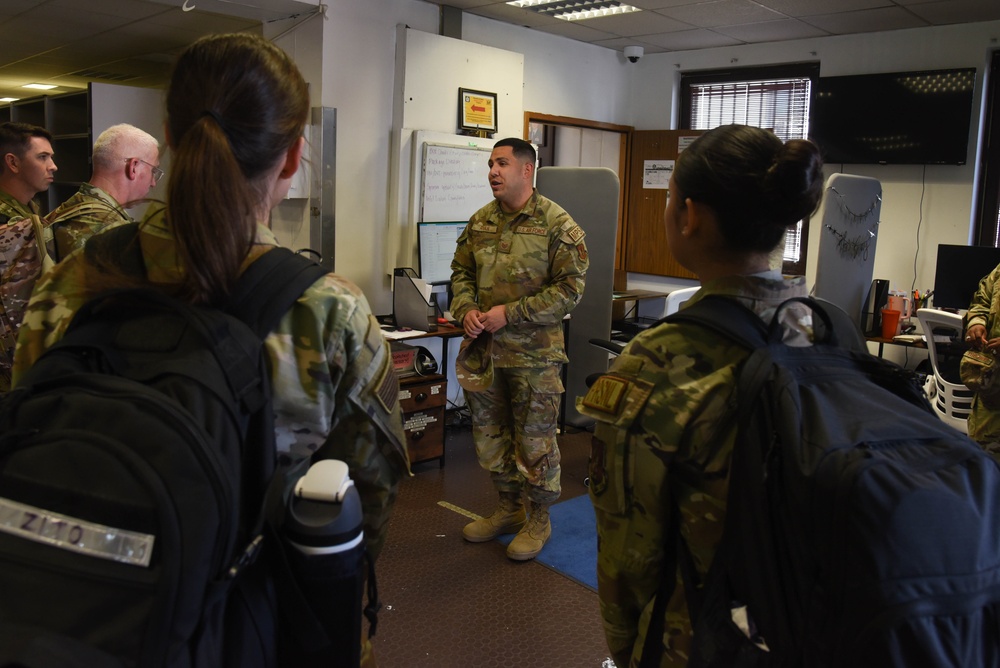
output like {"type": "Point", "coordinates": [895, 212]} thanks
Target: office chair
{"type": "Point", "coordinates": [674, 300]}
{"type": "Point", "coordinates": [950, 398]}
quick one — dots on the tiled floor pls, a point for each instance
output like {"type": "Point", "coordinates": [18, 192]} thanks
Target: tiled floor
{"type": "Point", "coordinates": [452, 604]}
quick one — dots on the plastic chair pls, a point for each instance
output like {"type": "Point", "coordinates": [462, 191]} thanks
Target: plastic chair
{"type": "Point", "coordinates": [676, 298]}
{"type": "Point", "coordinates": [950, 398]}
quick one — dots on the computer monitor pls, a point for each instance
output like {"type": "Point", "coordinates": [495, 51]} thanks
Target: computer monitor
{"type": "Point", "coordinates": [436, 243]}
{"type": "Point", "coordinates": [958, 272]}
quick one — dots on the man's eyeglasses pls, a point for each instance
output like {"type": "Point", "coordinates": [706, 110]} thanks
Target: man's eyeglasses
{"type": "Point", "coordinates": [157, 172]}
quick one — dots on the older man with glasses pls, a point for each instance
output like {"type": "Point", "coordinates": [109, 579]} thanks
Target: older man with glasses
{"type": "Point", "coordinates": [126, 167]}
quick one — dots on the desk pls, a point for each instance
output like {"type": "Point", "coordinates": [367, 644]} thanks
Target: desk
{"type": "Point", "coordinates": [424, 399]}
{"type": "Point", "coordinates": [446, 332]}
{"type": "Point", "coordinates": [630, 327]}
{"type": "Point", "coordinates": [881, 341]}
{"type": "Point", "coordinates": [635, 295]}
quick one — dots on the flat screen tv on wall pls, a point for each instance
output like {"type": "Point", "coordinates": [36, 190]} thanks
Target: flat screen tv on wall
{"type": "Point", "coordinates": [897, 118]}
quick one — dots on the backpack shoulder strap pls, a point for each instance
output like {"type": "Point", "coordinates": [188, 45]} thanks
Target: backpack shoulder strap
{"type": "Point", "coordinates": [269, 287]}
{"type": "Point", "coordinates": [78, 209]}
{"type": "Point", "coordinates": [728, 317]}
{"type": "Point", "coordinates": [262, 295]}
{"type": "Point", "coordinates": [724, 316]}
{"type": "Point", "coordinates": [118, 246]}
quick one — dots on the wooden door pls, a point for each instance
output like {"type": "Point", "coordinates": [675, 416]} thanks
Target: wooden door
{"type": "Point", "coordinates": [646, 250]}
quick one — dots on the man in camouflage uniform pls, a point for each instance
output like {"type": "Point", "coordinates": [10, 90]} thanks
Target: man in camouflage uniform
{"type": "Point", "coordinates": [518, 270]}
{"type": "Point", "coordinates": [335, 392]}
{"type": "Point", "coordinates": [27, 168]}
{"type": "Point", "coordinates": [982, 331]}
{"type": "Point", "coordinates": [667, 402]}
{"type": "Point", "coordinates": [126, 166]}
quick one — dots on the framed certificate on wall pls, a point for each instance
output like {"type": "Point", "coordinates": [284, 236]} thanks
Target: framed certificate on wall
{"type": "Point", "coordinates": [477, 110]}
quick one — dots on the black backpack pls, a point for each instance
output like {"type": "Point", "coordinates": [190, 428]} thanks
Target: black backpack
{"type": "Point", "coordinates": [860, 531]}
{"type": "Point", "coordinates": [135, 459]}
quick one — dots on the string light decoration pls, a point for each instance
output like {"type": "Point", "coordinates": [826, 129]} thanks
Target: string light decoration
{"type": "Point", "coordinates": [853, 246]}
{"type": "Point", "coordinates": [852, 216]}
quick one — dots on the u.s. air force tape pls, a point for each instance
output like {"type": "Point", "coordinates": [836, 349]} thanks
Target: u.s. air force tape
{"type": "Point", "coordinates": [70, 533]}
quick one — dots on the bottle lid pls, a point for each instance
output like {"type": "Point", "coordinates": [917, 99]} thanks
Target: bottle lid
{"type": "Point", "coordinates": [326, 480]}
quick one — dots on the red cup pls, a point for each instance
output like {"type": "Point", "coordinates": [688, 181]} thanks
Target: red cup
{"type": "Point", "coordinates": [890, 323]}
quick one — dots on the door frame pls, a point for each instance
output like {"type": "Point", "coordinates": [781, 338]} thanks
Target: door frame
{"type": "Point", "coordinates": [623, 168]}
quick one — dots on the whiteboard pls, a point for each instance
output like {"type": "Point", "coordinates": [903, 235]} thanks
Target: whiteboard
{"type": "Point", "coordinates": [454, 183]}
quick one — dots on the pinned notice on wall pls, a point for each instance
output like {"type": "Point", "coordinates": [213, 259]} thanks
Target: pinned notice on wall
{"type": "Point", "coordinates": [656, 174]}
{"type": "Point", "coordinates": [684, 141]}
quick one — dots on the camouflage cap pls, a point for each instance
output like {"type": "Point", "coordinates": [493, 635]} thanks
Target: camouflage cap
{"type": "Point", "coordinates": [474, 364]}
{"type": "Point", "coordinates": [979, 371]}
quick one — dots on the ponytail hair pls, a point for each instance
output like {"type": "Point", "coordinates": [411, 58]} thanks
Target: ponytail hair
{"type": "Point", "coordinates": [235, 106]}
{"type": "Point", "coordinates": [758, 185]}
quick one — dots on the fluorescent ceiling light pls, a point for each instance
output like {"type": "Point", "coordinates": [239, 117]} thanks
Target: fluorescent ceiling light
{"type": "Point", "coordinates": [9, 99]}
{"type": "Point", "coordinates": [39, 86]}
{"type": "Point", "coordinates": [575, 10]}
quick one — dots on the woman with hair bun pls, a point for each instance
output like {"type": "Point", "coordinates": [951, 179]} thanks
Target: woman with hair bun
{"type": "Point", "coordinates": [668, 399]}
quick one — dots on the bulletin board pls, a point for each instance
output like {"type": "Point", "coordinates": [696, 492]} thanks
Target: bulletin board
{"type": "Point", "coordinates": [454, 183]}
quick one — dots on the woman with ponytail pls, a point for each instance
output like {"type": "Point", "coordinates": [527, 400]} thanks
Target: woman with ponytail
{"type": "Point", "coordinates": [668, 400]}
{"type": "Point", "coordinates": [236, 108]}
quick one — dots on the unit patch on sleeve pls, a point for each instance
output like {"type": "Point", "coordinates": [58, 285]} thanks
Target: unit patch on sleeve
{"type": "Point", "coordinates": [606, 394]}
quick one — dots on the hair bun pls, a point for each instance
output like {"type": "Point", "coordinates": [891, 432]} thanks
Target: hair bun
{"type": "Point", "coordinates": [793, 184]}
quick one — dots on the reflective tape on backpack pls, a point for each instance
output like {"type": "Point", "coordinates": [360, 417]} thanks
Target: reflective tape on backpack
{"type": "Point", "coordinates": [76, 535]}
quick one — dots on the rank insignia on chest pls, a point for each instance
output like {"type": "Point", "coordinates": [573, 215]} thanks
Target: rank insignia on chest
{"type": "Point", "coordinates": [504, 246]}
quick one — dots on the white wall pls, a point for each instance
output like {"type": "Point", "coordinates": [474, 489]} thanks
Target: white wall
{"type": "Point", "coordinates": [921, 207]}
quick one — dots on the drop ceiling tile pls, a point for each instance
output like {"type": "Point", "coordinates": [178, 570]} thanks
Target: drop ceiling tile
{"type": "Point", "coordinates": [636, 23]}
{"type": "Point", "coordinates": [469, 4]}
{"type": "Point", "coordinates": [869, 20]}
{"type": "Point", "coordinates": [661, 4]}
{"type": "Point", "coordinates": [813, 7]}
{"type": "Point", "coordinates": [771, 31]}
{"type": "Point", "coordinates": [957, 11]}
{"type": "Point", "coordinates": [516, 15]}
{"type": "Point", "coordinates": [721, 13]}
{"type": "Point", "coordinates": [122, 10]}
{"type": "Point", "coordinates": [687, 40]}
{"type": "Point", "coordinates": [573, 30]}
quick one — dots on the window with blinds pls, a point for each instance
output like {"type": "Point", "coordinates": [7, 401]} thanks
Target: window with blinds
{"type": "Point", "coordinates": [776, 98]}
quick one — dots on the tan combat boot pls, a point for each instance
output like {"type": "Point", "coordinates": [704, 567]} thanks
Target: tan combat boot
{"type": "Point", "coordinates": [507, 518]}
{"type": "Point", "coordinates": [532, 538]}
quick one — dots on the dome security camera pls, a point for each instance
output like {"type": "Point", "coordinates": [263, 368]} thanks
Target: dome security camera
{"type": "Point", "coordinates": [633, 53]}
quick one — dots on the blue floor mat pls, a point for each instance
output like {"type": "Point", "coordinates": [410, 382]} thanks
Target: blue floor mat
{"type": "Point", "coordinates": [572, 549]}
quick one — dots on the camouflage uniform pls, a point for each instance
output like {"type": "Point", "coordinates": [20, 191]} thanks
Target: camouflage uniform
{"type": "Point", "coordinates": [335, 391]}
{"type": "Point", "coordinates": [534, 262]}
{"type": "Point", "coordinates": [984, 421]}
{"type": "Point", "coordinates": [96, 211]}
{"type": "Point", "coordinates": [10, 208]}
{"type": "Point", "coordinates": [668, 397]}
